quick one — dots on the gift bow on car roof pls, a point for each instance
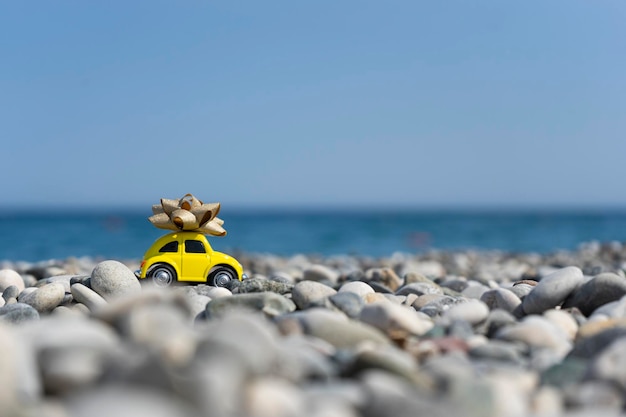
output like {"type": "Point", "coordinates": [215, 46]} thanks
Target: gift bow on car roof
{"type": "Point", "coordinates": [188, 214]}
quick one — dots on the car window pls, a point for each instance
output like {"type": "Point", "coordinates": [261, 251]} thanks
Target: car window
{"type": "Point", "coordinates": [170, 247]}
{"type": "Point", "coordinates": [194, 246]}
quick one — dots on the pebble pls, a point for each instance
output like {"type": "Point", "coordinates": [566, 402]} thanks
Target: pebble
{"type": "Point", "coordinates": [609, 365]}
{"type": "Point", "coordinates": [357, 287]}
{"type": "Point", "coordinates": [420, 288]}
{"type": "Point", "coordinates": [87, 296]}
{"type": "Point", "coordinates": [501, 298]}
{"type": "Point", "coordinates": [18, 313]}
{"type": "Point", "coordinates": [270, 303]}
{"type": "Point", "coordinates": [384, 276]}
{"type": "Point", "coordinates": [10, 277]}
{"type": "Point", "coordinates": [552, 290]}
{"type": "Point", "coordinates": [310, 293]}
{"type": "Point", "coordinates": [337, 329]}
{"type": "Point", "coordinates": [46, 298]}
{"type": "Point", "coordinates": [263, 285]}
{"type": "Point", "coordinates": [397, 321]}
{"type": "Point", "coordinates": [348, 302]}
{"type": "Point", "coordinates": [11, 292]}
{"type": "Point", "coordinates": [320, 273]}
{"type": "Point", "coordinates": [473, 312]}
{"type": "Point", "coordinates": [599, 290]}
{"type": "Point", "coordinates": [537, 331]}
{"type": "Point", "coordinates": [112, 279]}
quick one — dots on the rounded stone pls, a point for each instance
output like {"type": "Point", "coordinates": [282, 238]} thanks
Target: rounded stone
{"type": "Point", "coordinates": [336, 329]}
{"type": "Point", "coordinates": [609, 365]}
{"type": "Point", "coordinates": [309, 293]}
{"type": "Point", "coordinates": [522, 290]}
{"type": "Point", "coordinates": [262, 285]}
{"type": "Point", "coordinates": [113, 279]}
{"type": "Point", "coordinates": [270, 303]}
{"type": "Point", "coordinates": [17, 313]}
{"type": "Point", "coordinates": [46, 298]}
{"type": "Point", "coordinates": [397, 321]}
{"type": "Point", "coordinates": [536, 331]}
{"type": "Point", "coordinates": [420, 288]}
{"type": "Point", "coordinates": [385, 276]}
{"type": "Point", "coordinates": [348, 302]}
{"type": "Point", "coordinates": [472, 311]}
{"type": "Point", "coordinates": [10, 292]}
{"type": "Point", "coordinates": [87, 296]}
{"type": "Point", "coordinates": [10, 277]}
{"type": "Point", "coordinates": [563, 321]}
{"type": "Point", "coordinates": [357, 287]}
{"type": "Point", "coordinates": [218, 292]}
{"type": "Point", "coordinates": [596, 292]}
{"type": "Point", "coordinates": [552, 290]}
{"type": "Point", "coordinates": [320, 273]}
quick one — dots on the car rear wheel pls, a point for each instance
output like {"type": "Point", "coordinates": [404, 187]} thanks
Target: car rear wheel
{"type": "Point", "coordinates": [162, 275]}
{"type": "Point", "coordinates": [222, 276]}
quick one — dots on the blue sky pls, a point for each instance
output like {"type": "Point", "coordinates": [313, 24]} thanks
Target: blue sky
{"type": "Point", "coordinates": [342, 103]}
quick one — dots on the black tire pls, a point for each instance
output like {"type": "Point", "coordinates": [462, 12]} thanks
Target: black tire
{"type": "Point", "coordinates": [162, 275]}
{"type": "Point", "coordinates": [222, 276]}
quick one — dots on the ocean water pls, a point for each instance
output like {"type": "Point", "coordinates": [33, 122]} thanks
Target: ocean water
{"type": "Point", "coordinates": [125, 234]}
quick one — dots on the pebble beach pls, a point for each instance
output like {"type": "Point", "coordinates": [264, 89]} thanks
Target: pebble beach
{"type": "Point", "coordinates": [442, 333]}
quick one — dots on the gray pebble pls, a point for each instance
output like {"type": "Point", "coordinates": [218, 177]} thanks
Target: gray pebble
{"type": "Point", "coordinates": [596, 292]}
{"type": "Point", "coordinates": [46, 298]}
{"type": "Point", "coordinates": [263, 285]}
{"type": "Point", "coordinates": [309, 293]}
{"type": "Point", "coordinates": [397, 321]}
{"type": "Point", "coordinates": [270, 303]}
{"type": "Point", "coordinates": [320, 273]}
{"type": "Point", "coordinates": [113, 279]}
{"type": "Point", "coordinates": [609, 365]}
{"type": "Point", "coordinates": [522, 290]}
{"type": "Point", "coordinates": [10, 292]}
{"type": "Point", "coordinates": [87, 296]}
{"type": "Point", "coordinates": [336, 328]}
{"type": "Point", "coordinates": [420, 288]}
{"type": "Point", "coordinates": [348, 302]}
{"type": "Point", "coordinates": [552, 290]}
{"type": "Point", "coordinates": [18, 313]}
{"type": "Point", "coordinates": [536, 331]}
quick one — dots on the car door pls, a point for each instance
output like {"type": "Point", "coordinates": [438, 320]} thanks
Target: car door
{"type": "Point", "coordinates": [195, 260]}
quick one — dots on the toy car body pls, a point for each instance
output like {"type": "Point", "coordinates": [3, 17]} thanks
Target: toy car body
{"type": "Point", "coordinates": [188, 257]}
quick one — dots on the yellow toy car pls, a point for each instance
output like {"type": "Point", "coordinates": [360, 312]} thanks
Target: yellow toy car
{"type": "Point", "coordinates": [188, 257]}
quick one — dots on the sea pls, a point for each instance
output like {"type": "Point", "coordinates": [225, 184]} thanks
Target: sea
{"type": "Point", "coordinates": [126, 234]}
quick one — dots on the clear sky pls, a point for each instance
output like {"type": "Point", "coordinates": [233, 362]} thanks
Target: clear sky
{"type": "Point", "coordinates": [292, 103]}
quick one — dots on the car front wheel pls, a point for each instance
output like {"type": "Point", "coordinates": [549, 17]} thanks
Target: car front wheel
{"type": "Point", "coordinates": [221, 277]}
{"type": "Point", "coordinates": [162, 275]}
